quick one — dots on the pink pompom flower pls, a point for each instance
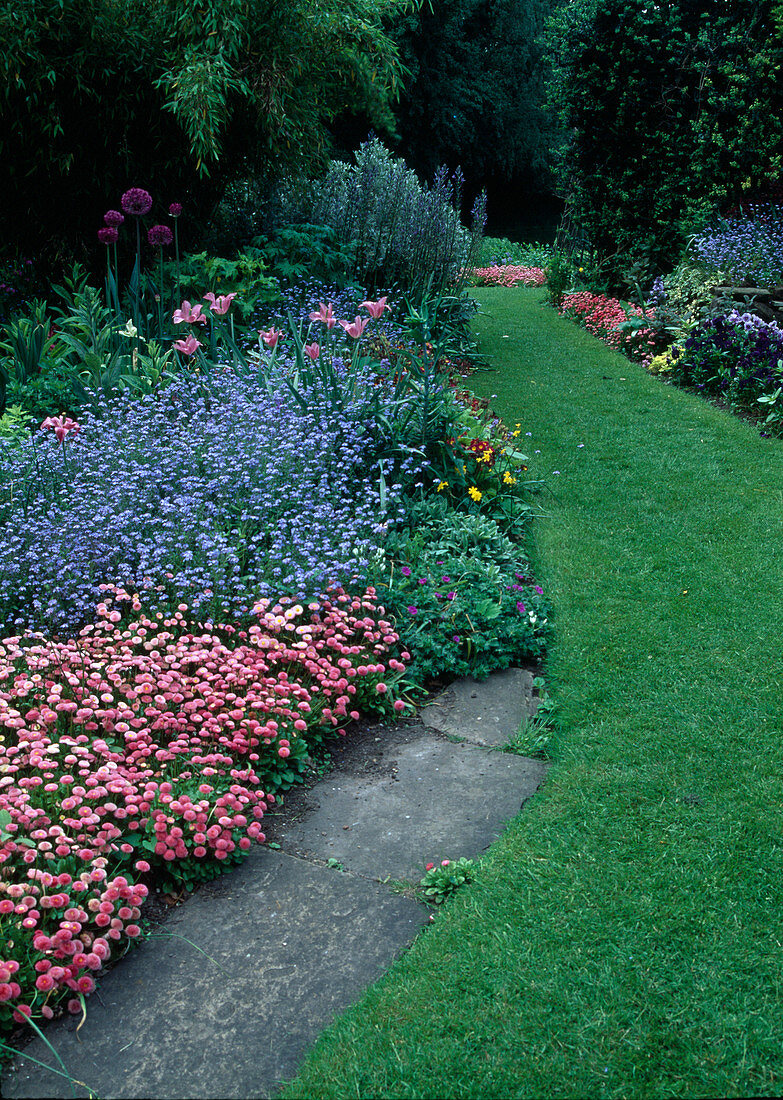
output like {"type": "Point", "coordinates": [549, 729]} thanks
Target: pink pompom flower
{"type": "Point", "coordinates": [136, 201]}
{"type": "Point", "coordinates": [160, 236]}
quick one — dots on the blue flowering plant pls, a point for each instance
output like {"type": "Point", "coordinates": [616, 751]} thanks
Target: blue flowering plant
{"type": "Point", "coordinates": [747, 249]}
{"type": "Point", "coordinates": [217, 494]}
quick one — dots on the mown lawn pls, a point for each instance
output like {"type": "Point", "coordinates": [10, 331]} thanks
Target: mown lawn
{"type": "Point", "coordinates": [623, 937]}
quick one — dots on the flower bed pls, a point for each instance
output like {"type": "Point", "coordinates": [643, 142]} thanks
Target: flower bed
{"type": "Point", "coordinates": [150, 741]}
{"type": "Point", "coordinates": [737, 357]}
{"type": "Point", "coordinates": [509, 275]}
{"type": "Point", "coordinates": [218, 495]}
{"type": "Point", "coordinates": [612, 322]}
{"type": "Point", "coordinates": [206, 519]}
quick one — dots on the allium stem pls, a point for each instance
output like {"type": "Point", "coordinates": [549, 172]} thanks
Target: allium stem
{"type": "Point", "coordinates": [160, 294]}
{"type": "Point", "coordinates": [176, 253]}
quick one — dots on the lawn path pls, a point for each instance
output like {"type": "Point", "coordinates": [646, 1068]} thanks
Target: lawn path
{"type": "Point", "coordinates": [623, 937]}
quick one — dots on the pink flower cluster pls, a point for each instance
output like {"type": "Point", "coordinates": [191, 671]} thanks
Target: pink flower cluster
{"type": "Point", "coordinates": [601, 316]}
{"type": "Point", "coordinates": [149, 736]}
{"type": "Point", "coordinates": [62, 426]}
{"type": "Point", "coordinates": [192, 315]}
{"type": "Point", "coordinates": [61, 927]}
{"type": "Point", "coordinates": [509, 275]}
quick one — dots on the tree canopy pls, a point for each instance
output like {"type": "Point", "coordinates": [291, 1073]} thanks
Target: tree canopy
{"type": "Point", "coordinates": [98, 95]}
{"type": "Point", "coordinates": [474, 95]}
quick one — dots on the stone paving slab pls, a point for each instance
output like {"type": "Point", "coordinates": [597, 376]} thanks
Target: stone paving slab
{"type": "Point", "coordinates": [441, 800]}
{"type": "Point", "coordinates": [294, 944]}
{"type": "Point", "coordinates": [486, 712]}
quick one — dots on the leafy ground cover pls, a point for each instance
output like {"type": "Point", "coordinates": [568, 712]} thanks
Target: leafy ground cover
{"type": "Point", "coordinates": [621, 936]}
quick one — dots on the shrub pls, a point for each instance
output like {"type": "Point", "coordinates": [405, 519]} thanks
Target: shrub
{"type": "Point", "coordinates": [401, 232]}
{"type": "Point", "coordinates": [667, 107]}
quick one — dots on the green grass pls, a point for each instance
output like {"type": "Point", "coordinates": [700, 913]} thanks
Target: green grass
{"type": "Point", "coordinates": [623, 937]}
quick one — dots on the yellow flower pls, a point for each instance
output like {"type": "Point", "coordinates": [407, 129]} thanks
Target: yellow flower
{"type": "Point", "coordinates": [516, 432]}
{"type": "Point", "coordinates": [442, 485]}
{"type": "Point", "coordinates": [474, 493]}
{"type": "Point", "coordinates": [508, 479]}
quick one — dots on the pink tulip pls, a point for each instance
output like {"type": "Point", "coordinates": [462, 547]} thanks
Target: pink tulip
{"type": "Point", "coordinates": [356, 327]}
{"type": "Point", "coordinates": [270, 337]}
{"type": "Point", "coordinates": [376, 309]}
{"type": "Point", "coordinates": [312, 351]}
{"type": "Point", "coordinates": [220, 304]}
{"type": "Point", "coordinates": [62, 425]}
{"type": "Point", "coordinates": [189, 346]}
{"type": "Point", "coordinates": [326, 315]}
{"type": "Point", "coordinates": [188, 314]}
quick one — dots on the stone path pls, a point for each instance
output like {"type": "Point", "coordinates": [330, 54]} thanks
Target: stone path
{"type": "Point", "coordinates": [225, 1002]}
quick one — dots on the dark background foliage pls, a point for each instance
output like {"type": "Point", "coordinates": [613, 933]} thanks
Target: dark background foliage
{"type": "Point", "coordinates": [473, 96]}
{"type": "Point", "coordinates": [177, 96]}
{"type": "Point", "coordinates": [670, 110]}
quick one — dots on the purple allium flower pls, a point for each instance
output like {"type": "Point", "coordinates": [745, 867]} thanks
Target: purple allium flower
{"type": "Point", "coordinates": [108, 235]}
{"type": "Point", "coordinates": [113, 218]}
{"type": "Point", "coordinates": [175, 209]}
{"type": "Point", "coordinates": [160, 236]}
{"type": "Point", "coordinates": [136, 201]}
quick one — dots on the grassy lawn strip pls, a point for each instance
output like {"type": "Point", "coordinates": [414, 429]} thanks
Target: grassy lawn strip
{"type": "Point", "coordinates": [623, 937]}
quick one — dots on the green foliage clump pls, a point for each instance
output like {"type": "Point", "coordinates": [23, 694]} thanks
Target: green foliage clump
{"type": "Point", "coordinates": [297, 253]}
{"type": "Point", "coordinates": [500, 250]}
{"type": "Point", "coordinates": [441, 880]}
{"type": "Point", "coordinates": [670, 109]}
{"type": "Point", "coordinates": [690, 290]}
{"type": "Point", "coordinates": [460, 594]}
{"type": "Point", "coordinates": [245, 275]}
{"type": "Point", "coordinates": [15, 424]}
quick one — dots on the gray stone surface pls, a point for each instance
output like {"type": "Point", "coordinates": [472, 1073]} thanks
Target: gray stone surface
{"type": "Point", "coordinates": [486, 712]}
{"type": "Point", "coordinates": [292, 945]}
{"type": "Point", "coordinates": [438, 800]}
